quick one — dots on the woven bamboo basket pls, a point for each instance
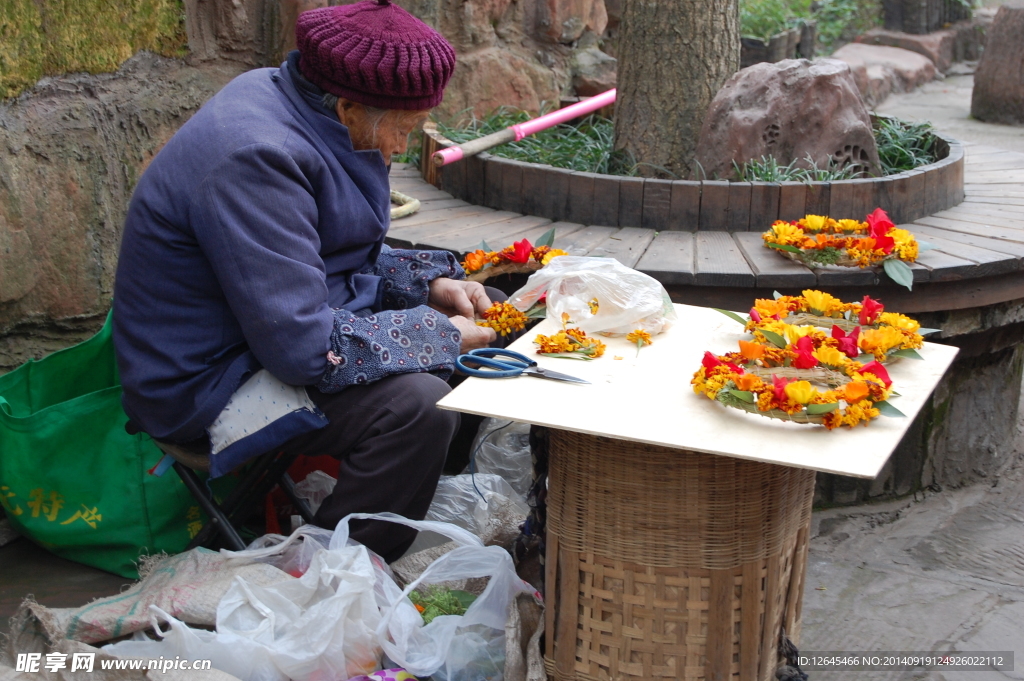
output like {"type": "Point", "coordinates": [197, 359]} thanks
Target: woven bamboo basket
{"type": "Point", "coordinates": [669, 564]}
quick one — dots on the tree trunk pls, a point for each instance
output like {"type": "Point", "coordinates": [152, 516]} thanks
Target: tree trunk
{"type": "Point", "coordinates": [674, 55]}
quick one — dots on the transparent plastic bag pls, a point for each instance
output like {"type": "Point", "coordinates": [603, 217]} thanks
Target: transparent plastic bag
{"type": "Point", "coordinates": [239, 657]}
{"type": "Point", "coordinates": [494, 517]}
{"type": "Point", "coordinates": [503, 448]}
{"type": "Point", "coordinates": [316, 487]}
{"type": "Point", "coordinates": [468, 647]}
{"type": "Point", "coordinates": [601, 295]}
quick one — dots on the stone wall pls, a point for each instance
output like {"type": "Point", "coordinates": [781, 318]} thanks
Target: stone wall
{"type": "Point", "coordinates": [72, 146]}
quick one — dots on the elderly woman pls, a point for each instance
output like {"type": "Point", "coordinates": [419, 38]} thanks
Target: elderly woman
{"type": "Point", "coordinates": [256, 305]}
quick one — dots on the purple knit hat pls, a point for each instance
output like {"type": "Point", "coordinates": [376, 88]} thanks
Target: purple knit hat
{"type": "Point", "coordinates": [375, 53]}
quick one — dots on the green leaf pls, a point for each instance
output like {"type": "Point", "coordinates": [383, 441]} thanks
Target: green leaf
{"type": "Point", "coordinates": [484, 247]}
{"type": "Point", "coordinates": [776, 295]}
{"type": "Point", "coordinates": [744, 395]}
{"type": "Point", "coordinates": [888, 410]}
{"type": "Point", "coordinates": [464, 597]}
{"type": "Point", "coordinates": [538, 311]}
{"type": "Point", "coordinates": [909, 353]}
{"type": "Point", "coordinates": [924, 332]}
{"type": "Point", "coordinates": [565, 355]}
{"type": "Point", "coordinates": [923, 246]}
{"type": "Point", "coordinates": [815, 409]}
{"type": "Point", "coordinates": [774, 338]}
{"type": "Point", "coordinates": [865, 358]}
{"type": "Point", "coordinates": [546, 239]}
{"type": "Point", "coordinates": [731, 315]}
{"type": "Point", "coordinates": [899, 272]}
{"type": "Point", "coordinates": [784, 247]}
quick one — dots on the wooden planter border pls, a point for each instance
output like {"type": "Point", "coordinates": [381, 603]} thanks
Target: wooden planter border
{"type": "Point", "coordinates": [690, 205]}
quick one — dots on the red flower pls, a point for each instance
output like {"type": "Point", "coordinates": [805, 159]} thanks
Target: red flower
{"type": "Point", "coordinates": [520, 252]}
{"type": "Point", "coordinates": [710, 361]}
{"type": "Point", "coordinates": [877, 369]}
{"type": "Point", "coordinates": [869, 311]}
{"type": "Point", "coordinates": [804, 357]}
{"type": "Point", "coordinates": [779, 387]}
{"type": "Point", "coordinates": [847, 344]}
{"type": "Point", "coordinates": [879, 223]}
{"type": "Point", "coordinates": [754, 315]}
{"type": "Point", "coordinates": [885, 243]}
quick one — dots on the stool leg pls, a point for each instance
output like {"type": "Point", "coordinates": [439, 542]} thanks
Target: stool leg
{"type": "Point", "coordinates": [288, 487]}
{"type": "Point", "coordinates": [217, 517]}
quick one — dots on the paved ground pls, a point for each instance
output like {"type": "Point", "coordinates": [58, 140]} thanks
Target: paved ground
{"type": "Point", "coordinates": [944, 571]}
{"type": "Point", "coordinates": [947, 104]}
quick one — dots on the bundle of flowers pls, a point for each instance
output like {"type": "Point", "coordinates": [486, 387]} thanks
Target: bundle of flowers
{"type": "Point", "coordinates": [857, 329]}
{"type": "Point", "coordinates": [505, 318]}
{"type": "Point", "coordinates": [571, 343]}
{"type": "Point", "coordinates": [520, 257]}
{"type": "Point", "coordinates": [817, 240]}
{"type": "Point", "coordinates": [793, 349]}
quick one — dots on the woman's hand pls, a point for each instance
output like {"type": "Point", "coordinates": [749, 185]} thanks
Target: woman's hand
{"type": "Point", "coordinates": [473, 336]}
{"type": "Point", "coordinates": [453, 297]}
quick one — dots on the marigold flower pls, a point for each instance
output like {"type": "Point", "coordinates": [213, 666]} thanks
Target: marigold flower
{"type": "Point", "coordinates": [881, 340]}
{"type": "Point", "coordinates": [504, 318]}
{"type": "Point", "coordinates": [899, 321]}
{"type": "Point", "coordinates": [476, 260]}
{"type": "Point", "coordinates": [784, 233]}
{"type": "Point", "coordinates": [639, 336]}
{"type": "Point", "coordinates": [822, 302]}
{"type": "Point", "coordinates": [815, 223]}
{"type": "Point", "coordinates": [594, 306]}
{"type": "Point", "coordinates": [771, 308]}
{"type": "Point", "coordinates": [551, 255]}
{"type": "Point", "coordinates": [850, 226]}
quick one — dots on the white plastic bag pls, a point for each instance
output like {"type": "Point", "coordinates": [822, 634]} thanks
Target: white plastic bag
{"type": "Point", "coordinates": [503, 448]}
{"type": "Point", "coordinates": [316, 487]}
{"type": "Point", "coordinates": [468, 647]}
{"type": "Point", "coordinates": [239, 657]}
{"type": "Point", "coordinates": [601, 295]}
{"type": "Point", "coordinates": [494, 517]}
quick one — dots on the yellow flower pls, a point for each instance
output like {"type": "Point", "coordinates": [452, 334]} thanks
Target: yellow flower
{"type": "Point", "coordinates": [880, 341]}
{"type": "Point", "coordinates": [830, 356]}
{"type": "Point", "coordinates": [551, 255]}
{"type": "Point", "coordinates": [795, 333]}
{"type": "Point", "coordinates": [849, 226]}
{"type": "Point", "coordinates": [504, 318]}
{"type": "Point", "coordinates": [784, 233]}
{"type": "Point", "coordinates": [800, 391]}
{"type": "Point", "coordinates": [594, 306]}
{"type": "Point", "coordinates": [639, 336]}
{"type": "Point", "coordinates": [899, 321]}
{"type": "Point", "coordinates": [822, 302]}
{"type": "Point", "coordinates": [815, 223]}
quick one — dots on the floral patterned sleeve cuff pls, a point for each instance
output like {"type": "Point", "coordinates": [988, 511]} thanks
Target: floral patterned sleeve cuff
{"type": "Point", "coordinates": [366, 349]}
{"type": "Point", "coordinates": [407, 275]}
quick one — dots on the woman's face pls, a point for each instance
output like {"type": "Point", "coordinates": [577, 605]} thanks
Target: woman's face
{"type": "Point", "coordinates": [387, 130]}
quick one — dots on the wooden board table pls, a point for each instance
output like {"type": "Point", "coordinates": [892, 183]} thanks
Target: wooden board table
{"type": "Point", "coordinates": [677, 528]}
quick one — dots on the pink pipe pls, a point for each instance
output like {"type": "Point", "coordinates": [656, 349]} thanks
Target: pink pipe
{"type": "Point", "coordinates": [562, 115]}
{"type": "Point", "coordinates": [517, 132]}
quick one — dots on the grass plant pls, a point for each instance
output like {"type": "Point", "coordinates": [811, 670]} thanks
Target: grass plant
{"type": "Point", "coordinates": [587, 147]}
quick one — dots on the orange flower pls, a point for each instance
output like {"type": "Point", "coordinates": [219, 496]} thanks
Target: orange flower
{"type": "Point", "coordinates": [475, 261]}
{"type": "Point", "coordinates": [504, 318]}
{"type": "Point", "coordinates": [855, 391]}
{"type": "Point", "coordinates": [747, 382]}
{"type": "Point", "coordinates": [751, 351]}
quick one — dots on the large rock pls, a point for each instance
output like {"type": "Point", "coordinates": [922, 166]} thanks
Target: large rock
{"type": "Point", "coordinates": [593, 72]}
{"type": "Point", "coordinates": [999, 81]}
{"type": "Point", "coordinates": [880, 70]}
{"type": "Point", "coordinates": [564, 21]}
{"type": "Point", "coordinates": [939, 46]}
{"type": "Point", "coordinates": [791, 110]}
{"type": "Point", "coordinates": [487, 79]}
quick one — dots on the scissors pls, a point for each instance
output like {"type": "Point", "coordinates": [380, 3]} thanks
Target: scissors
{"type": "Point", "coordinates": [511, 364]}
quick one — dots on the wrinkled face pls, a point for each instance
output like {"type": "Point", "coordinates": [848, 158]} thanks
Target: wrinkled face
{"type": "Point", "coordinates": [386, 130]}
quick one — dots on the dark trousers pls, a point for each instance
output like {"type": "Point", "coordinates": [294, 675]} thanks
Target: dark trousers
{"type": "Point", "coordinates": [392, 442]}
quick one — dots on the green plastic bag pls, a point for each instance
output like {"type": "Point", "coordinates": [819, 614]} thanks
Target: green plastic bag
{"type": "Point", "coordinates": [71, 479]}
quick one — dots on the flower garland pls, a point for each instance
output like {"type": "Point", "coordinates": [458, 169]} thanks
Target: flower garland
{"type": "Point", "coordinates": [773, 375]}
{"type": "Point", "coordinates": [817, 240]}
{"type": "Point", "coordinates": [863, 328]}
{"type": "Point", "coordinates": [521, 256]}
{"type": "Point", "coordinates": [571, 343]}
